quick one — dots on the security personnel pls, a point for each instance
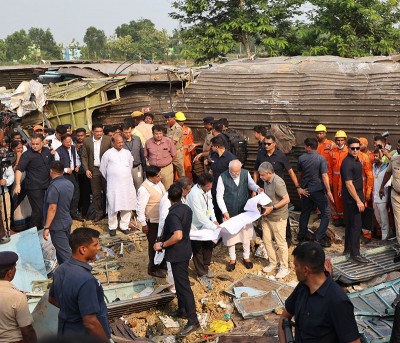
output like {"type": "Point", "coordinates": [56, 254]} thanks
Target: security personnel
{"type": "Point", "coordinates": [336, 157]}
{"type": "Point", "coordinates": [325, 145]}
{"type": "Point", "coordinates": [77, 293]}
{"type": "Point", "coordinates": [174, 132]}
{"type": "Point", "coordinates": [178, 252]}
{"type": "Point", "coordinates": [353, 198]}
{"type": "Point", "coordinates": [15, 319]}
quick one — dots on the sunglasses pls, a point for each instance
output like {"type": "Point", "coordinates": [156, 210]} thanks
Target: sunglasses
{"type": "Point", "coordinates": [354, 148]}
{"type": "Point", "coordinates": [269, 144]}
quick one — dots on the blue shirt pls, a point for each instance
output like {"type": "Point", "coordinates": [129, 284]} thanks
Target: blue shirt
{"type": "Point", "coordinates": [326, 316]}
{"type": "Point", "coordinates": [79, 294]}
{"type": "Point", "coordinates": [312, 165]}
{"type": "Point", "coordinates": [60, 192]}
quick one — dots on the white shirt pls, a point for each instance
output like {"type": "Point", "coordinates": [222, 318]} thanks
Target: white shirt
{"type": "Point", "coordinates": [96, 151]}
{"type": "Point", "coordinates": [221, 189]}
{"type": "Point", "coordinates": [202, 207]}
{"type": "Point", "coordinates": [143, 197]}
{"type": "Point", "coordinates": [78, 160]}
{"type": "Point", "coordinates": [379, 173]}
{"type": "Point", "coordinates": [165, 204]}
{"type": "Point", "coordinates": [9, 177]}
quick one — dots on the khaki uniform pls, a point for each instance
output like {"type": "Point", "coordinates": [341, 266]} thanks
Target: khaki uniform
{"type": "Point", "coordinates": [206, 145]}
{"type": "Point", "coordinates": [14, 313]}
{"type": "Point", "coordinates": [394, 169]}
{"type": "Point", "coordinates": [175, 132]}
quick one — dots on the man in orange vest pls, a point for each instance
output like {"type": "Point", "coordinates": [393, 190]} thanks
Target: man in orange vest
{"type": "Point", "coordinates": [336, 157]}
{"type": "Point", "coordinates": [365, 150]}
{"type": "Point", "coordinates": [368, 184]}
{"type": "Point", "coordinates": [325, 145]}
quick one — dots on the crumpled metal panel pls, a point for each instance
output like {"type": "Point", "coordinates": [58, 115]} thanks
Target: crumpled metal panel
{"type": "Point", "coordinates": [259, 305]}
{"type": "Point", "coordinates": [374, 329]}
{"type": "Point", "coordinates": [380, 262]}
{"type": "Point", "coordinates": [376, 301]}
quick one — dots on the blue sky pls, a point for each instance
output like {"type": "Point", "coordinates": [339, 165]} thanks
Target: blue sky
{"type": "Point", "coordinates": [69, 19]}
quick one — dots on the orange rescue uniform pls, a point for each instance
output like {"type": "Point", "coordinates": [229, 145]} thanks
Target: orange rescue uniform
{"type": "Point", "coordinates": [335, 160]}
{"type": "Point", "coordinates": [367, 175]}
{"type": "Point", "coordinates": [188, 140]}
{"type": "Point", "coordinates": [324, 149]}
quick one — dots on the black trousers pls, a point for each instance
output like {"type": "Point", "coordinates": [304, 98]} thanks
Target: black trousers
{"type": "Point", "coordinates": [180, 271]}
{"type": "Point", "coordinates": [84, 196]}
{"type": "Point", "coordinates": [2, 230]}
{"type": "Point", "coordinates": [353, 223]}
{"type": "Point", "coordinates": [151, 239]}
{"type": "Point", "coordinates": [99, 189]}
{"type": "Point", "coordinates": [202, 254]}
{"type": "Point", "coordinates": [36, 199]}
{"type": "Point", "coordinates": [75, 198]}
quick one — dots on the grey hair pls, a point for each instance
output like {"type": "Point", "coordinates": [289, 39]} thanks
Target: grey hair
{"type": "Point", "coordinates": [235, 163]}
{"type": "Point", "coordinates": [184, 182]}
{"type": "Point", "coordinates": [266, 167]}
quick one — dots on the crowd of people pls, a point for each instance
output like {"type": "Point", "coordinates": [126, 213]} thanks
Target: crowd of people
{"type": "Point", "coordinates": [145, 170]}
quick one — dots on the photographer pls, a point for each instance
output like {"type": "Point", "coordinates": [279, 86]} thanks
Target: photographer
{"type": "Point", "coordinates": [385, 153]}
{"type": "Point", "coordinates": [6, 181]}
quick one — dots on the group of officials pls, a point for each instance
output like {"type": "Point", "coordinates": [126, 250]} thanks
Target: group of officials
{"type": "Point", "coordinates": [135, 171]}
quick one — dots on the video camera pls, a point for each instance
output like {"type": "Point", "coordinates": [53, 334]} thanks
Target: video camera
{"type": "Point", "coordinates": [9, 119]}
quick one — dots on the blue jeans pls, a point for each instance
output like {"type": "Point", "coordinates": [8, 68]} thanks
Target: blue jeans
{"type": "Point", "coordinates": [316, 199]}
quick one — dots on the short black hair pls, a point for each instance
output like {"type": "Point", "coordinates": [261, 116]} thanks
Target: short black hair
{"type": "Point", "coordinates": [217, 126]}
{"type": "Point", "coordinates": [224, 122]}
{"type": "Point", "coordinates": [49, 130]}
{"type": "Point", "coordinates": [82, 236]}
{"type": "Point", "coordinates": [36, 136]}
{"type": "Point", "coordinates": [108, 129]}
{"type": "Point", "coordinates": [260, 129]}
{"type": "Point", "coordinates": [129, 121]}
{"type": "Point", "coordinates": [184, 182]}
{"type": "Point", "coordinates": [312, 255]}
{"type": "Point", "coordinates": [271, 137]}
{"type": "Point", "coordinates": [97, 125]}
{"type": "Point", "coordinates": [61, 129]}
{"type": "Point", "coordinates": [152, 171]}
{"type": "Point", "coordinates": [65, 136]}
{"type": "Point", "coordinates": [149, 114]}
{"type": "Point", "coordinates": [218, 141]}
{"type": "Point", "coordinates": [175, 193]}
{"type": "Point", "coordinates": [157, 128]}
{"type": "Point", "coordinates": [204, 179]}
{"type": "Point", "coordinates": [379, 138]}
{"type": "Point", "coordinates": [15, 133]}
{"type": "Point", "coordinates": [14, 144]}
{"type": "Point", "coordinates": [4, 271]}
{"type": "Point", "coordinates": [67, 126]}
{"type": "Point", "coordinates": [311, 142]}
{"type": "Point", "coordinates": [57, 166]}
{"type": "Point", "coordinates": [352, 140]}
{"type": "Point", "coordinates": [80, 129]}
{"type": "Point", "coordinates": [127, 126]}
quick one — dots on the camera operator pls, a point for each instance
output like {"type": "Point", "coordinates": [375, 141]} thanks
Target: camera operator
{"type": "Point", "coordinates": [5, 182]}
{"type": "Point", "coordinates": [385, 153]}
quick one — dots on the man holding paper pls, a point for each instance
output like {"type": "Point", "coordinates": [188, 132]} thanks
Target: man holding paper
{"type": "Point", "coordinates": [232, 194]}
{"type": "Point", "coordinates": [200, 201]}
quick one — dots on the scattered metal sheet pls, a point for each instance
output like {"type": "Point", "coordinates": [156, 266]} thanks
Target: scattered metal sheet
{"type": "Point", "coordinates": [376, 301]}
{"type": "Point", "coordinates": [250, 307]}
{"type": "Point", "coordinates": [374, 329]}
{"type": "Point", "coordinates": [30, 265]}
{"type": "Point", "coordinates": [45, 317]}
{"type": "Point", "coordinates": [381, 261]}
{"type": "Point", "coordinates": [113, 293]}
{"type": "Point", "coordinates": [262, 284]}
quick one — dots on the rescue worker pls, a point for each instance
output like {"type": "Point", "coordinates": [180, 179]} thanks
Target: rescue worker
{"type": "Point", "coordinates": [365, 150]}
{"type": "Point", "coordinates": [188, 144]}
{"type": "Point", "coordinates": [325, 145]}
{"type": "Point", "coordinates": [336, 157]}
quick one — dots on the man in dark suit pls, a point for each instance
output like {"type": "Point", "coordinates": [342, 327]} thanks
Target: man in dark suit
{"type": "Point", "coordinates": [93, 149]}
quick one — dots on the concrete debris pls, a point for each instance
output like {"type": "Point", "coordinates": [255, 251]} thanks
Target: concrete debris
{"type": "Point", "coordinates": [169, 322]}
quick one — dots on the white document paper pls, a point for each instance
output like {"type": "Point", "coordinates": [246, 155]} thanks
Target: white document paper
{"type": "Point", "coordinates": [204, 235]}
{"type": "Point", "coordinates": [251, 214]}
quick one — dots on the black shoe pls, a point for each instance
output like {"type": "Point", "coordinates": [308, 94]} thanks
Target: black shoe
{"type": "Point", "coordinates": [159, 273]}
{"type": "Point", "coordinates": [98, 218]}
{"type": "Point", "coordinates": [248, 264]}
{"type": "Point", "coordinates": [4, 240]}
{"type": "Point", "coordinates": [337, 222]}
{"type": "Point", "coordinates": [359, 259]}
{"type": "Point", "coordinates": [188, 329]}
{"type": "Point", "coordinates": [231, 267]}
{"type": "Point", "coordinates": [125, 232]}
{"type": "Point", "coordinates": [178, 314]}
{"type": "Point", "coordinates": [112, 233]}
{"type": "Point", "coordinates": [325, 243]}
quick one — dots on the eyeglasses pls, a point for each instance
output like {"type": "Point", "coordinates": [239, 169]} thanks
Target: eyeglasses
{"type": "Point", "coordinates": [354, 148]}
{"type": "Point", "coordinates": [269, 144]}
{"type": "Point", "coordinates": [38, 130]}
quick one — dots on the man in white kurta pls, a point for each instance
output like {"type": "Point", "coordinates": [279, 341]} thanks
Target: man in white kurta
{"type": "Point", "coordinates": [116, 167]}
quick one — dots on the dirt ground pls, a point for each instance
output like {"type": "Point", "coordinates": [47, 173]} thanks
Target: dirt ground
{"type": "Point", "coordinates": [148, 324]}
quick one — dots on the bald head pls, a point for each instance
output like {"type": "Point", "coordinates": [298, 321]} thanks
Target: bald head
{"type": "Point", "coordinates": [117, 141]}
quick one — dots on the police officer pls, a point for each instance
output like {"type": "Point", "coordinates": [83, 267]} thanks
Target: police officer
{"type": "Point", "coordinates": [77, 293]}
{"type": "Point", "coordinates": [174, 131]}
{"type": "Point", "coordinates": [15, 319]}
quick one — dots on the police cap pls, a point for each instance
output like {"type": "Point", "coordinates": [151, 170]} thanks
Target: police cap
{"type": "Point", "coordinates": [8, 259]}
{"type": "Point", "coordinates": [168, 115]}
{"type": "Point", "coordinates": [208, 120]}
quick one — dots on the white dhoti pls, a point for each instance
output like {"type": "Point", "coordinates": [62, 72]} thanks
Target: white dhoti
{"type": "Point", "coordinates": [244, 236]}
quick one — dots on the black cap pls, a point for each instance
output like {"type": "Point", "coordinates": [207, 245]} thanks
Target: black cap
{"type": "Point", "coordinates": [8, 259]}
{"type": "Point", "coordinates": [208, 120]}
{"type": "Point", "coordinates": [169, 115]}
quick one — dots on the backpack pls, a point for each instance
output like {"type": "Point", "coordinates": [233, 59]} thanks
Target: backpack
{"type": "Point", "coordinates": [237, 145]}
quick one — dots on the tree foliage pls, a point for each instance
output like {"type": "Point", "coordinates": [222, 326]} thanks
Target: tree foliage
{"type": "Point", "coordinates": [16, 46]}
{"type": "Point", "coordinates": [44, 40]}
{"type": "Point", "coordinates": [215, 27]}
{"type": "Point", "coordinates": [96, 43]}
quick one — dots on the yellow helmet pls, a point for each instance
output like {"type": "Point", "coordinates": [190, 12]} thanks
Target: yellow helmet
{"type": "Point", "coordinates": [320, 128]}
{"type": "Point", "coordinates": [340, 134]}
{"type": "Point", "coordinates": [180, 116]}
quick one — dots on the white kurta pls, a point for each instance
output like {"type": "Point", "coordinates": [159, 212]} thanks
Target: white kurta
{"type": "Point", "coordinates": [116, 167]}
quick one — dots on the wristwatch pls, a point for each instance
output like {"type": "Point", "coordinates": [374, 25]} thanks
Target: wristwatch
{"type": "Point", "coordinates": [273, 208]}
{"type": "Point", "coordinates": [46, 228]}
{"type": "Point", "coordinates": [161, 244]}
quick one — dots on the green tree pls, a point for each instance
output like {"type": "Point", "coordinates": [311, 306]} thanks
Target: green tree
{"type": "Point", "coordinates": [3, 50]}
{"type": "Point", "coordinates": [147, 41]}
{"type": "Point", "coordinates": [214, 28]}
{"type": "Point", "coordinates": [352, 28]}
{"type": "Point", "coordinates": [96, 42]}
{"type": "Point", "coordinates": [121, 48]}
{"type": "Point", "coordinates": [44, 40]}
{"type": "Point", "coordinates": [17, 46]}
